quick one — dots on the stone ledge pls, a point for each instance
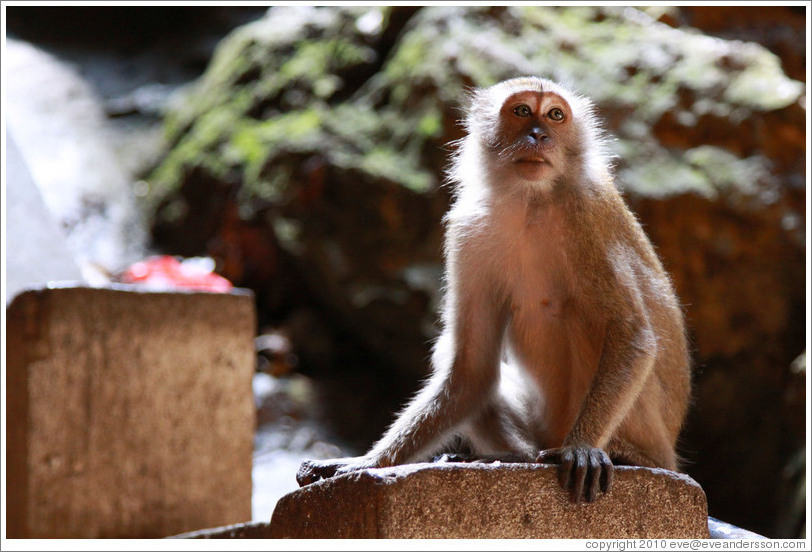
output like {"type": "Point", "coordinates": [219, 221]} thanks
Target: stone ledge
{"type": "Point", "coordinates": [130, 413]}
{"type": "Point", "coordinates": [250, 530]}
{"type": "Point", "coordinates": [490, 501]}
{"type": "Point", "coordinates": [262, 530]}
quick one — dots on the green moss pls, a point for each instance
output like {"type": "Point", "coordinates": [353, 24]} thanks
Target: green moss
{"type": "Point", "coordinates": [664, 176]}
{"type": "Point", "coordinates": [272, 89]}
{"type": "Point", "coordinates": [313, 59]}
{"type": "Point", "coordinates": [255, 143]}
{"type": "Point", "coordinates": [298, 127]}
{"type": "Point", "coordinates": [762, 86]}
{"type": "Point", "coordinates": [725, 171]}
{"type": "Point", "coordinates": [704, 170]}
{"type": "Point", "coordinates": [408, 59]}
{"type": "Point", "coordinates": [394, 166]}
{"type": "Point", "coordinates": [431, 124]}
{"type": "Point", "coordinates": [206, 134]}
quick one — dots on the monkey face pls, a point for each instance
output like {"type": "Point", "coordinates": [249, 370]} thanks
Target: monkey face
{"type": "Point", "coordinates": [533, 129]}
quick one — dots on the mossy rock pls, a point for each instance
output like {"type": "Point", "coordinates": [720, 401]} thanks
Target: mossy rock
{"type": "Point", "coordinates": [331, 128]}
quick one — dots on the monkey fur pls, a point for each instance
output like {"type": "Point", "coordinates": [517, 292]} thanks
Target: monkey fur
{"type": "Point", "coordinates": [562, 338]}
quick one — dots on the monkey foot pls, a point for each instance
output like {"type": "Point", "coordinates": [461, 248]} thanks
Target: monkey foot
{"type": "Point", "coordinates": [582, 470]}
{"type": "Point", "coordinates": [311, 471]}
{"type": "Point", "coordinates": [453, 457]}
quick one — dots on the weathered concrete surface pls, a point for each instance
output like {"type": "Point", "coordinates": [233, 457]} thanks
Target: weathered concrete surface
{"type": "Point", "coordinates": [251, 530]}
{"type": "Point", "coordinates": [490, 501]}
{"type": "Point", "coordinates": [129, 414]}
{"type": "Point", "coordinates": [262, 530]}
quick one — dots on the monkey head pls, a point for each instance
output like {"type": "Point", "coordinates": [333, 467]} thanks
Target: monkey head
{"type": "Point", "coordinates": [533, 130]}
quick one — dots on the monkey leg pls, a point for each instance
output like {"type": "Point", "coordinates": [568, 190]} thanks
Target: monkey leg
{"type": "Point", "coordinates": [623, 453]}
{"type": "Point", "coordinates": [496, 434]}
{"type": "Point", "coordinates": [453, 457]}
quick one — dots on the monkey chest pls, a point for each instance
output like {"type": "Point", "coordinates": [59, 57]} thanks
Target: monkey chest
{"type": "Point", "coordinates": [556, 339]}
{"type": "Point", "coordinates": [550, 315]}
{"type": "Point", "coordinates": [539, 287]}
{"type": "Point", "coordinates": [545, 304]}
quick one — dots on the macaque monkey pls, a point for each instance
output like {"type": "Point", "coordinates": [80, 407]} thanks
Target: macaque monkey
{"type": "Point", "coordinates": [562, 339]}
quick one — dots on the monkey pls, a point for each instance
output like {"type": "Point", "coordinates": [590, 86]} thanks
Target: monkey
{"type": "Point", "coordinates": [562, 339]}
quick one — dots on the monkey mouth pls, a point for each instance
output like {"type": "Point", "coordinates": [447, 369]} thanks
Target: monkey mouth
{"type": "Point", "coordinates": [533, 167]}
{"type": "Point", "coordinates": [533, 159]}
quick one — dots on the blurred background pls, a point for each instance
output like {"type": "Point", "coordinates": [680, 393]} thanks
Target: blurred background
{"type": "Point", "coordinates": [299, 152]}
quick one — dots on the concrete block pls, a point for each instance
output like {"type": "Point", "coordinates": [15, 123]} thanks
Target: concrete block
{"type": "Point", "coordinates": [250, 530]}
{"type": "Point", "coordinates": [490, 501]}
{"type": "Point", "coordinates": [129, 414]}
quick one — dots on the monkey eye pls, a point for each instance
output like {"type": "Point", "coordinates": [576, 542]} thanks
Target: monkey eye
{"type": "Point", "coordinates": [523, 111]}
{"type": "Point", "coordinates": [556, 114]}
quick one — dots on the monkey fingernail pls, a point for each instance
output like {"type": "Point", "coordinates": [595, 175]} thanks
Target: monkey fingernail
{"type": "Point", "coordinates": [607, 478]}
{"type": "Point", "coordinates": [595, 484]}
{"type": "Point", "coordinates": [564, 475]}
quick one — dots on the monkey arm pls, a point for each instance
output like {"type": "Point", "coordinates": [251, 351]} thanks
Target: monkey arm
{"type": "Point", "coordinates": [456, 390]}
{"type": "Point", "coordinates": [465, 361]}
{"type": "Point", "coordinates": [627, 360]}
{"type": "Point", "coordinates": [629, 346]}
{"type": "Point", "coordinates": [465, 366]}
{"type": "Point", "coordinates": [465, 371]}
{"type": "Point", "coordinates": [628, 357]}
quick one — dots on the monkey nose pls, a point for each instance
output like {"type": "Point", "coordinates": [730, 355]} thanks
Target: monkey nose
{"type": "Point", "coordinates": [538, 135]}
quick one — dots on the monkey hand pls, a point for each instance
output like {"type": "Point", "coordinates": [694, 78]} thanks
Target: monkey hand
{"type": "Point", "coordinates": [582, 470]}
{"type": "Point", "coordinates": [315, 470]}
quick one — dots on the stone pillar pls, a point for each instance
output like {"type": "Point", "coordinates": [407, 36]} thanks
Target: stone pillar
{"type": "Point", "coordinates": [129, 414]}
{"type": "Point", "coordinates": [495, 501]}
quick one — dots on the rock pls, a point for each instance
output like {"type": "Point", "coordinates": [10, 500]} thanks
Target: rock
{"type": "Point", "coordinates": [490, 501]}
{"type": "Point", "coordinates": [130, 414]}
{"type": "Point", "coordinates": [262, 530]}
{"type": "Point", "coordinates": [252, 530]}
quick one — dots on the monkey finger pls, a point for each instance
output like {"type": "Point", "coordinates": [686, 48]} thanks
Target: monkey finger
{"type": "Point", "coordinates": [581, 469]}
{"type": "Point", "coordinates": [566, 468]}
{"type": "Point", "coordinates": [549, 456]}
{"type": "Point", "coordinates": [608, 473]}
{"type": "Point", "coordinates": [597, 478]}
{"type": "Point", "coordinates": [593, 485]}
